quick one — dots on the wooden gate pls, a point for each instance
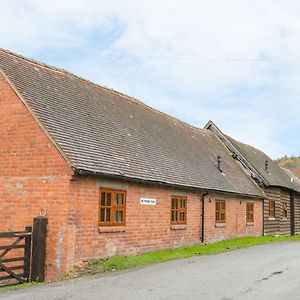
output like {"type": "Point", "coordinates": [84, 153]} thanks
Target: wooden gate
{"type": "Point", "coordinates": [22, 254]}
{"type": "Point", "coordinates": [15, 265]}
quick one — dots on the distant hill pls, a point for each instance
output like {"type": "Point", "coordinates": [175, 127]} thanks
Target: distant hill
{"type": "Point", "coordinates": [292, 163]}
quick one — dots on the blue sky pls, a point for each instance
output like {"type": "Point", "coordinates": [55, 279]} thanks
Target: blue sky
{"type": "Point", "coordinates": [234, 62]}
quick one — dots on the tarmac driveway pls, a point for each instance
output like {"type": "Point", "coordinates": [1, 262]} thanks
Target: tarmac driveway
{"type": "Point", "coordinates": [262, 272]}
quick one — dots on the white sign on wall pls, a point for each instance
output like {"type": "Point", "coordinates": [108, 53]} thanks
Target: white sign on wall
{"type": "Point", "coordinates": [148, 201]}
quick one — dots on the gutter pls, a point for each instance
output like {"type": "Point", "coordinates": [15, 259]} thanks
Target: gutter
{"type": "Point", "coordinates": [202, 214]}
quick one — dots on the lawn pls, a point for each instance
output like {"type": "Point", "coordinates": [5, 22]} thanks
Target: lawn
{"type": "Point", "coordinates": [125, 262]}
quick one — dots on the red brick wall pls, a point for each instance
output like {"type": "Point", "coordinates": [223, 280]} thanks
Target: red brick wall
{"type": "Point", "coordinates": [33, 176]}
{"type": "Point", "coordinates": [147, 226]}
{"type": "Point", "coordinates": [235, 225]}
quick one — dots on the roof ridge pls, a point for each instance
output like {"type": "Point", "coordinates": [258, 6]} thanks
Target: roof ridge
{"type": "Point", "coordinates": [227, 141]}
{"type": "Point", "coordinates": [245, 144]}
{"type": "Point", "coordinates": [283, 174]}
{"type": "Point", "coordinates": [252, 147]}
{"type": "Point", "coordinates": [53, 68]}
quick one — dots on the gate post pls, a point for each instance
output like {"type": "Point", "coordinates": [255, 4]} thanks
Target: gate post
{"type": "Point", "coordinates": [27, 253]}
{"type": "Point", "coordinates": [38, 249]}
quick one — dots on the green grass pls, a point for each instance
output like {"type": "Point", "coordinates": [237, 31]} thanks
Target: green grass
{"type": "Point", "coordinates": [117, 263]}
{"type": "Point", "coordinates": [126, 262]}
{"type": "Point", "coordinates": [19, 286]}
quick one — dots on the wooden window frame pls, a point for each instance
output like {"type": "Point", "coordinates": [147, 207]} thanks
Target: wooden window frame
{"type": "Point", "coordinates": [220, 211]}
{"type": "Point", "coordinates": [178, 210]}
{"type": "Point", "coordinates": [112, 207]}
{"type": "Point", "coordinates": [249, 212]}
{"type": "Point", "coordinates": [272, 209]}
{"type": "Point", "coordinates": [284, 211]}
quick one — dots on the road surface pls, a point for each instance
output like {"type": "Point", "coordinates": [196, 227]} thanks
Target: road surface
{"type": "Point", "coordinates": [262, 272]}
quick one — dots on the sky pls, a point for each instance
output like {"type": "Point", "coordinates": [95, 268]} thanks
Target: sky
{"type": "Point", "coordinates": [234, 62]}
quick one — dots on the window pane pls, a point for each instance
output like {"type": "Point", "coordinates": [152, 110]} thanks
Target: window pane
{"type": "Point", "coordinates": [174, 215]}
{"type": "Point", "coordinates": [102, 215]}
{"type": "Point", "coordinates": [223, 205]}
{"type": "Point", "coordinates": [182, 203]}
{"type": "Point", "coordinates": [121, 199]}
{"type": "Point", "coordinates": [107, 214]}
{"type": "Point", "coordinates": [103, 198]}
{"type": "Point", "coordinates": [116, 202]}
{"type": "Point", "coordinates": [108, 199]}
{"type": "Point", "coordinates": [121, 216]}
{"type": "Point", "coordinates": [217, 205]}
{"type": "Point", "coordinates": [116, 216]}
{"type": "Point", "coordinates": [182, 216]}
{"type": "Point", "coordinates": [175, 203]}
{"type": "Point", "coordinates": [222, 216]}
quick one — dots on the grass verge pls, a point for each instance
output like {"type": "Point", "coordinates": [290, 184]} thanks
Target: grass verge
{"type": "Point", "coordinates": [19, 286]}
{"type": "Point", "coordinates": [118, 263]}
{"type": "Point", "coordinates": [125, 262]}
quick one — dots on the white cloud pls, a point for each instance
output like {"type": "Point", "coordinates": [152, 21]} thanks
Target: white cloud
{"type": "Point", "coordinates": [236, 62]}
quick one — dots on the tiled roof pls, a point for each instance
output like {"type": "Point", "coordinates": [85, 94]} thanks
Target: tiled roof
{"type": "Point", "coordinates": [293, 178]}
{"type": "Point", "coordinates": [275, 175]}
{"type": "Point", "coordinates": [105, 132]}
{"type": "Point", "coordinates": [255, 159]}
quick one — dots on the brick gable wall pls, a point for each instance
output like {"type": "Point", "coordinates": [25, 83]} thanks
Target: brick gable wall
{"type": "Point", "coordinates": [33, 176]}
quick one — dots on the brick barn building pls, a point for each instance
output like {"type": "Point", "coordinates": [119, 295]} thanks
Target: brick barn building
{"type": "Point", "coordinates": [114, 175]}
{"type": "Point", "coordinates": [282, 188]}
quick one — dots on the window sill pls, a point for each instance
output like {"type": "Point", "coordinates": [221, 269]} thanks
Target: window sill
{"type": "Point", "coordinates": [250, 224]}
{"type": "Point", "coordinates": [178, 227]}
{"type": "Point", "coordinates": [111, 229]}
{"type": "Point", "coordinates": [220, 225]}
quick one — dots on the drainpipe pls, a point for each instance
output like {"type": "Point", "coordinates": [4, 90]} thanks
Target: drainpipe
{"type": "Point", "coordinates": [202, 221]}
